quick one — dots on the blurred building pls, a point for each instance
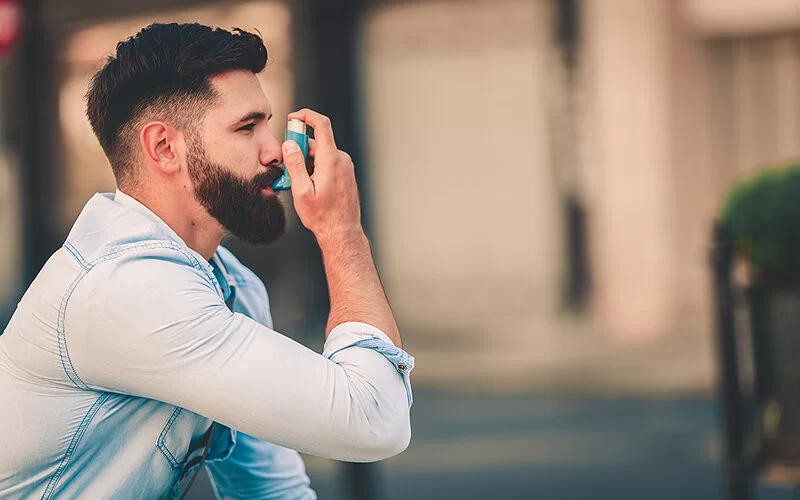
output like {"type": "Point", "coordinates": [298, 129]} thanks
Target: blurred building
{"type": "Point", "coordinates": [540, 176]}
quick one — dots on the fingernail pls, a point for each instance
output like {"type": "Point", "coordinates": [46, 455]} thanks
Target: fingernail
{"type": "Point", "coordinates": [291, 147]}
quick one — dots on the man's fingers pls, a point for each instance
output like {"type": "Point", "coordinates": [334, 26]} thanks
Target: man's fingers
{"type": "Point", "coordinates": [321, 124]}
{"type": "Point", "coordinates": [295, 163]}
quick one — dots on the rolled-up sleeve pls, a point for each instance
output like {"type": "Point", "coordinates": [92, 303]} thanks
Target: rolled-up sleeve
{"type": "Point", "coordinates": [362, 335]}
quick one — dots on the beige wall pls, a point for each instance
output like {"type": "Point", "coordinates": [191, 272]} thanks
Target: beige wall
{"type": "Point", "coordinates": [741, 17]}
{"type": "Point", "coordinates": [676, 117]}
{"type": "Point", "coordinates": [630, 82]}
{"type": "Point", "coordinates": [668, 119]}
{"type": "Point", "coordinates": [466, 218]}
{"type": "Point", "coordinates": [699, 179]}
{"type": "Point", "coordinates": [439, 79]}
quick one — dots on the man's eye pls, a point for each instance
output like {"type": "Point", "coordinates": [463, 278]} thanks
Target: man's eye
{"type": "Point", "coordinates": [249, 127]}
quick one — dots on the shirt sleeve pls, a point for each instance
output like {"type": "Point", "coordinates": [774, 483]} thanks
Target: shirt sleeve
{"type": "Point", "coordinates": [157, 328]}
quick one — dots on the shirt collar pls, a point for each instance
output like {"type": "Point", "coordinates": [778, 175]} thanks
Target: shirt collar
{"type": "Point", "coordinates": [132, 203]}
{"type": "Point", "coordinates": [221, 273]}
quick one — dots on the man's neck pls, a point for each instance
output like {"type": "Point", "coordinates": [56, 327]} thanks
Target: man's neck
{"type": "Point", "coordinates": [193, 224]}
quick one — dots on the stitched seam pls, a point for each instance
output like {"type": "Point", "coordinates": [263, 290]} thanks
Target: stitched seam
{"type": "Point", "coordinates": [63, 350]}
{"type": "Point", "coordinates": [79, 432]}
{"type": "Point", "coordinates": [75, 253]}
{"type": "Point", "coordinates": [163, 436]}
{"type": "Point", "coordinates": [62, 346]}
{"type": "Point", "coordinates": [243, 280]}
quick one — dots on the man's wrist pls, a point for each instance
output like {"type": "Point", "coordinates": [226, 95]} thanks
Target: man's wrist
{"type": "Point", "coordinates": [335, 239]}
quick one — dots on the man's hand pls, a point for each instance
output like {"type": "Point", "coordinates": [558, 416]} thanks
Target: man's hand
{"type": "Point", "coordinates": [327, 200]}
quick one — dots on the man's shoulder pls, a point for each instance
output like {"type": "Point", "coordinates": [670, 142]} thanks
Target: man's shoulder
{"type": "Point", "coordinates": [145, 266]}
{"type": "Point", "coordinates": [105, 230]}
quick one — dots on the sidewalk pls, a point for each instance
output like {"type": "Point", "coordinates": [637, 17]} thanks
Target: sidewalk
{"type": "Point", "coordinates": [564, 355]}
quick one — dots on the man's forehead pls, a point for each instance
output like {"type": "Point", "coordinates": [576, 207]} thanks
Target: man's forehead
{"type": "Point", "coordinates": [239, 92]}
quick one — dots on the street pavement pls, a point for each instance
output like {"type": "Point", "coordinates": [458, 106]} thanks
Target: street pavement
{"type": "Point", "coordinates": [477, 446]}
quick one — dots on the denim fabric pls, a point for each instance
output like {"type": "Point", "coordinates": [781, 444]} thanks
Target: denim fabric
{"type": "Point", "coordinates": [123, 364]}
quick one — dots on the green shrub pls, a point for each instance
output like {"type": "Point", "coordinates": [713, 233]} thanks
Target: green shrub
{"type": "Point", "coordinates": [762, 212]}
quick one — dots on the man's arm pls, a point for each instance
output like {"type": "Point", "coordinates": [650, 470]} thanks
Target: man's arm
{"type": "Point", "coordinates": [153, 325]}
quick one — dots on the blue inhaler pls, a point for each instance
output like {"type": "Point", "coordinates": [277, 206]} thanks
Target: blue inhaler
{"type": "Point", "coordinates": [295, 131]}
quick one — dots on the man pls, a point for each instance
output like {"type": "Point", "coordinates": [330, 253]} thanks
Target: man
{"type": "Point", "coordinates": [144, 349]}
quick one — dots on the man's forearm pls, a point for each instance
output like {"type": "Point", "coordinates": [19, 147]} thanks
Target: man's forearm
{"type": "Point", "coordinates": [356, 292]}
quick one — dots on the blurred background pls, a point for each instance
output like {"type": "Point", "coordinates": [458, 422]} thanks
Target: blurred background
{"type": "Point", "coordinates": [539, 180]}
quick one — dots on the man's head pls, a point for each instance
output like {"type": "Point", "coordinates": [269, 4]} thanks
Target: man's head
{"type": "Point", "coordinates": [179, 106]}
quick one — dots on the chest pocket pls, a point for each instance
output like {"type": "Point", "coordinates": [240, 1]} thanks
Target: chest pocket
{"type": "Point", "coordinates": [183, 431]}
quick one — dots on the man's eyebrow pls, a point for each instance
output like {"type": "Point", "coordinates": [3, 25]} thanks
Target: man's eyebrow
{"type": "Point", "coordinates": [254, 115]}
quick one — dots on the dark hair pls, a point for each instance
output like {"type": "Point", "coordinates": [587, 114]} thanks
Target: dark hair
{"type": "Point", "coordinates": [163, 71]}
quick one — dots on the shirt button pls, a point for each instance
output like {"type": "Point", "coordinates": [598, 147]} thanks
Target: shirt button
{"type": "Point", "coordinates": [401, 366]}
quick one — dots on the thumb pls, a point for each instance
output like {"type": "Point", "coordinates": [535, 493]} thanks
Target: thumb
{"type": "Point", "coordinates": [296, 166]}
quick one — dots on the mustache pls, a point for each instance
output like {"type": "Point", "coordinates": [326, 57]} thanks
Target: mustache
{"type": "Point", "coordinates": [265, 179]}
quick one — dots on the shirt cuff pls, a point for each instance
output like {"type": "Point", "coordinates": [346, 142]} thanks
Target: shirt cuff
{"type": "Point", "coordinates": [355, 334]}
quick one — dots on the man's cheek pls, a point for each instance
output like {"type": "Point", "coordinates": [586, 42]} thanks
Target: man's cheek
{"type": "Point", "coordinates": [244, 166]}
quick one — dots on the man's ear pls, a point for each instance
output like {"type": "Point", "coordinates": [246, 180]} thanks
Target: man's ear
{"type": "Point", "coordinates": [159, 142]}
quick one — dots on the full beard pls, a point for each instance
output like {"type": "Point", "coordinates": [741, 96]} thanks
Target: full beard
{"type": "Point", "coordinates": [238, 204]}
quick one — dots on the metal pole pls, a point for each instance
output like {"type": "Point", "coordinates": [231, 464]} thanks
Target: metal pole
{"type": "Point", "coordinates": [37, 117]}
{"type": "Point", "coordinates": [362, 481]}
{"type": "Point", "coordinates": [566, 161]}
{"type": "Point", "coordinates": [737, 481]}
{"type": "Point", "coordinates": [762, 348]}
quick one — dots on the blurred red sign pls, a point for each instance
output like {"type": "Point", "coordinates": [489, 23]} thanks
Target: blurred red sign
{"type": "Point", "coordinates": [10, 25]}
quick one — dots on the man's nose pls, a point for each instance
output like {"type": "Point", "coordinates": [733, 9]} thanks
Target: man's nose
{"type": "Point", "coordinates": [271, 153]}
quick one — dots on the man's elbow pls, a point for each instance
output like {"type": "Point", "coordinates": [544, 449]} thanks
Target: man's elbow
{"type": "Point", "coordinates": [396, 440]}
{"type": "Point", "coordinates": [385, 443]}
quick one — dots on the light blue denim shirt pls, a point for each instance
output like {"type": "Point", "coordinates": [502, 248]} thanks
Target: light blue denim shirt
{"type": "Point", "coordinates": [123, 367]}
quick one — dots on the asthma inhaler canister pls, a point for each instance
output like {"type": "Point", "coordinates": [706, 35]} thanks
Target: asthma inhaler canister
{"type": "Point", "coordinates": [295, 131]}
